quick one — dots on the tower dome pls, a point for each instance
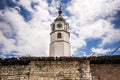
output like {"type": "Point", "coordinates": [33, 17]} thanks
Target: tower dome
{"type": "Point", "coordinates": [60, 18]}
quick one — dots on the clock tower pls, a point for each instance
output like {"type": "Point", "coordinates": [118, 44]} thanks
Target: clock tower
{"type": "Point", "coordinates": [59, 42]}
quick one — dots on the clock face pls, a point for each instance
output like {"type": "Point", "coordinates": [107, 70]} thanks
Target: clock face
{"type": "Point", "coordinates": [59, 25]}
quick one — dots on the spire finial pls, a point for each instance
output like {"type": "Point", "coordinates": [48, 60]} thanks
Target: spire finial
{"type": "Point", "coordinates": [60, 7]}
{"type": "Point", "coordinates": [60, 11]}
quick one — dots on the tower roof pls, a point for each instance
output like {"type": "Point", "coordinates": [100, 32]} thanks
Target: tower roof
{"type": "Point", "coordinates": [60, 18]}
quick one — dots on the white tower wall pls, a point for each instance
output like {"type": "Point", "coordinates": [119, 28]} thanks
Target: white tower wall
{"type": "Point", "coordinates": [60, 47]}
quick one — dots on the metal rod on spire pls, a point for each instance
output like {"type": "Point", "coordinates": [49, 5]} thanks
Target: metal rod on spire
{"type": "Point", "coordinates": [60, 8]}
{"type": "Point", "coordinates": [60, 11]}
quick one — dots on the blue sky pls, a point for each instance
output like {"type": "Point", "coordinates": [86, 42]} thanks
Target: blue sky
{"type": "Point", "coordinates": [25, 26]}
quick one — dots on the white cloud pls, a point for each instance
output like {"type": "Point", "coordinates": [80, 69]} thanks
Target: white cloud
{"type": "Point", "coordinates": [53, 8]}
{"type": "Point", "coordinates": [33, 36]}
{"type": "Point", "coordinates": [102, 51]}
{"type": "Point", "coordinates": [88, 22]}
{"type": "Point", "coordinates": [111, 36]}
{"type": "Point", "coordinates": [26, 4]}
{"type": "Point", "coordinates": [86, 11]}
{"type": "Point", "coordinates": [8, 43]}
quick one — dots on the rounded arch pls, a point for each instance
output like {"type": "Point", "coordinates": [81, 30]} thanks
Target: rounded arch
{"type": "Point", "coordinates": [59, 35]}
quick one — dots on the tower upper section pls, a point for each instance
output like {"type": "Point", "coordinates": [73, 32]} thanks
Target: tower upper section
{"type": "Point", "coordinates": [59, 37]}
{"type": "Point", "coordinates": [59, 23]}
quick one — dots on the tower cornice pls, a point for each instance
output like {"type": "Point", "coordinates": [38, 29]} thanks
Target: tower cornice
{"type": "Point", "coordinates": [60, 31]}
{"type": "Point", "coordinates": [60, 41]}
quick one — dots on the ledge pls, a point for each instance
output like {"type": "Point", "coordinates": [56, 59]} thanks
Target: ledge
{"type": "Point", "coordinates": [93, 60]}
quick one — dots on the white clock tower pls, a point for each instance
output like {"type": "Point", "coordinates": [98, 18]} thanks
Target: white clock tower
{"type": "Point", "coordinates": [59, 43]}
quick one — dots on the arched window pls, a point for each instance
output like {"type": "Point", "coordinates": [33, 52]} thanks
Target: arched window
{"type": "Point", "coordinates": [59, 35]}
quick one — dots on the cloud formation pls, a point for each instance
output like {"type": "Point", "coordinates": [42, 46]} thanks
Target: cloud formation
{"type": "Point", "coordinates": [30, 37]}
{"type": "Point", "coordinates": [89, 20]}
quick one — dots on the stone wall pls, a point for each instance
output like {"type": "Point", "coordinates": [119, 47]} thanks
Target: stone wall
{"type": "Point", "coordinates": [47, 70]}
{"type": "Point", "coordinates": [105, 68]}
{"type": "Point", "coordinates": [61, 68]}
{"type": "Point", "coordinates": [105, 71]}
{"type": "Point", "coordinates": [14, 72]}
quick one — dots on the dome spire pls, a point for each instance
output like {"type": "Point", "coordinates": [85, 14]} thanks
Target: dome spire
{"type": "Point", "coordinates": [60, 11]}
{"type": "Point", "coordinates": [59, 18]}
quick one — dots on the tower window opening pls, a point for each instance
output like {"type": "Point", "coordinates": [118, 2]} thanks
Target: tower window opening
{"type": "Point", "coordinates": [59, 35]}
{"type": "Point", "coordinates": [66, 27]}
{"type": "Point", "coordinates": [53, 27]}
